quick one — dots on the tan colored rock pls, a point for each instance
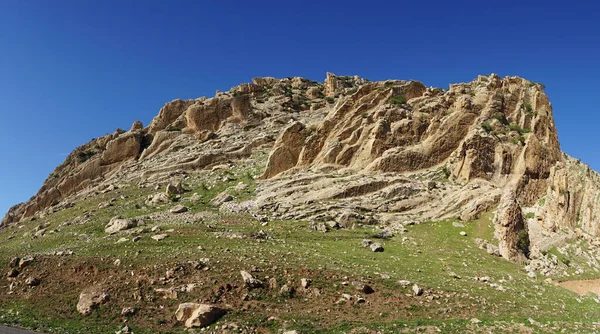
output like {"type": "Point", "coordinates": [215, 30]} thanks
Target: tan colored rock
{"type": "Point", "coordinates": [90, 299]}
{"type": "Point", "coordinates": [175, 188]}
{"type": "Point", "coordinates": [126, 146]}
{"type": "Point", "coordinates": [286, 151]}
{"type": "Point", "coordinates": [314, 93]}
{"type": "Point", "coordinates": [169, 114]}
{"type": "Point", "coordinates": [265, 81]}
{"type": "Point", "coordinates": [198, 315]}
{"type": "Point", "coordinates": [510, 229]}
{"type": "Point", "coordinates": [137, 126]}
{"type": "Point", "coordinates": [117, 224]}
{"type": "Point", "coordinates": [185, 310]}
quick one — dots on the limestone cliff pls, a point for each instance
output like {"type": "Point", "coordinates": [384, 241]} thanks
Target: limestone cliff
{"type": "Point", "coordinates": [353, 150]}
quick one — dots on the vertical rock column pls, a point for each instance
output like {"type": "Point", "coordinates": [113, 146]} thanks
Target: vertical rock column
{"type": "Point", "coordinates": [510, 229]}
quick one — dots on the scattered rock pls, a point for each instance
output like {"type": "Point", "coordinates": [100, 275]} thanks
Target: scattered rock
{"type": "Point", "coordinates": [179, 209]}
{"type": "Point", "coordinates": [403, 283]}
{"type": "Point", "coordinates": [366, 243]}
{"type": "Point", "coordinates": [250, 281]}
{"type": "Point", "coordinates": [158, 199]}
{"type": "Point", "coordinates": [13, 273]}
{"type": "Point", "coordinates": [305, 283]}
{"type": "Point", "coordinates": [32, 281]}
{"type": "Point", "coordinates": [463, 233]}
{"type": "Point", "coordinates": [362, 287]}
{"type": "Point", "coordinates": [273, 283]}
{"type": "Point", "coordinates": [417, 290]}
{"type": "Point", "coordinates": [117, 224]}
{"type": "Point", "coordinates": [104, 205]}
{"type": "Point", "coordinates": [24, 262]}
{"type": "Point", "coordinates": [319, 226]}
{"type": "Point", "coordinates": [90, 299]}
{"type": "Point", "coordinates": [376, 247]}
{"type": "Point", "coordinates": [385, 234]}
{"type": "Point", "coordinates": [159, 237]}
{"type": "Point", "coordinates": [220, 199]}
{"type": "Point", "coordinates": [14, 262]}
{"type": "Point", "coordinates": [127, 311]}
{"type": "Point", "coordinates": [287, 291]}
{"type": "Point", "coordinates": [174, 189]}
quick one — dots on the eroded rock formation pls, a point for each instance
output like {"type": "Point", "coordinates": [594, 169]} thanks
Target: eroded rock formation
{"type": "Point", "coordinates": [385, 152]}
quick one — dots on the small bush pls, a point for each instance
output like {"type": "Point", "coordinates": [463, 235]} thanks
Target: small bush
{"type": "Point", "coordinates": [398, 100]}
{"type": "Point", "coordinates": [173, 128]}
{"type": "Point", "coordinates": [329, 99]}
{"type": "Point", "coordinates": [500, 117]}
{"type": "Point", "coordinates": [523, 243]}
{"type": "Point", "coordinates": [487, 127]}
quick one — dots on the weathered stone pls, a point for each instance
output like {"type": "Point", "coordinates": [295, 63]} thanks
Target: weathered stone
{"type": "Point", "coordinates": [204, 315]}
{"type": "Point", "coordinates": [417, 290]}
{"type": "Point", "coordinates": [376, 247]}
{"type": "Point", "coordinates": [510, 229]}
{"type": "Point", "coordinates": [362, 287]}
{"type": "Point", "coordinates": [90, 299]}
{"type": "Point", "coordinates": [117, 224]}
{"type": "Point", "coordinates": [24, 262]}
{"type": "Point", "coordinates": [12, 273]}
{"type": "Point", "coordinates": [178, 209]}
{"type": "Point", "coordinates": [250, 281]}
{"type": "Point", "coordinates": [32, 281]}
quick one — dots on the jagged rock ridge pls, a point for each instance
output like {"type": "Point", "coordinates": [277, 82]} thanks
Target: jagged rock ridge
{"type": "Point", "coordinates": [392, 146]}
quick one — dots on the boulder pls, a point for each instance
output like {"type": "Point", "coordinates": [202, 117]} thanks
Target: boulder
{"type": "Point", "coordinates": [158, 199]}
{"type": "Point", "coordinates": [24, 262]}
{"type": "Point", "coordinates": [32, 281]}
{"type": "Point", "coordinates": [250, 281]}
{"type": "Point", "coordinates": [117, 224]}
{"type": "Point", "coordinates": [204, 315]}
{"type": "Point", "coordinates": [220, 199]}
{"type": "Point", "coordinates": [178, 209]}
{"type": "Point", "coordinates": [174, 189]}
{"type": "Point", "coordinates": [90, 299]}
{"type": "Point", "coordinates": [137, 126]}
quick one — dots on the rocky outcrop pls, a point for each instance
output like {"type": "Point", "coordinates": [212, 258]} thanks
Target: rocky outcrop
{"type": "Point", "coordinates": [392, 150]}
{"type": "Point", "coordinates": [287, 150]}
{"type": "Point", "coordinates": [572, 198]}
{"type": "Point", "coordinates": [510, 229]}
{"type": "Point", "coordinates": [500, 130]}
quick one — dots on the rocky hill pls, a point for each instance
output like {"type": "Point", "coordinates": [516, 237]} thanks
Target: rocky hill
{"type": "Point", "coordinates": [341, 154]}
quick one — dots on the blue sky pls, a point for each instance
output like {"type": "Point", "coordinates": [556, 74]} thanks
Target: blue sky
{"type": "Point", "coordinates": [74, 70]}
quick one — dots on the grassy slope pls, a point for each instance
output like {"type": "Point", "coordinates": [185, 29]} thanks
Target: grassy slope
{"type": "Point", "coordinates": [426, 255]}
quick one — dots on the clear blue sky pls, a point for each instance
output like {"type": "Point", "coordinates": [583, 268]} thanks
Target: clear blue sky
{"type": "Point", "coordinates": [72, 70]}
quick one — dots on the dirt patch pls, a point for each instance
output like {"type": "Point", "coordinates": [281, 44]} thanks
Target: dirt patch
{"type": "Point", "coordinates": [582, 287]}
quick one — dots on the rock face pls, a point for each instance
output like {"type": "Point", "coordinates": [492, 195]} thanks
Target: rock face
{"type": "Point", "coordinates": [480, 130]}
{"type": "Point", "coordinates": [510, 229]}
{"type": "Point", "coordinates": [395, 149]}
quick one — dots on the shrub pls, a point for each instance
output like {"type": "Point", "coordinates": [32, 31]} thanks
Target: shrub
{"type": "Point", "coordinates": [487, 127]}
{"type": "Point", "coordinates": [500, 117]}
{"type": "Point", "coordinates": [329, 99]}
{"type": "Point", "coordinates": [523, 243]}
{"type": "Point", "coordinates": [398, 100]}
{"type": "Point", "coordinates": [172, 128]}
